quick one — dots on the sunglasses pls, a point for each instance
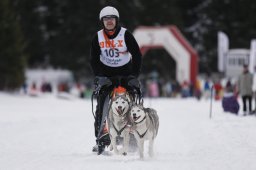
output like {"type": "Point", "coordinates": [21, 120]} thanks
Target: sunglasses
{"type": "Point", "coordinates": [109, 18]}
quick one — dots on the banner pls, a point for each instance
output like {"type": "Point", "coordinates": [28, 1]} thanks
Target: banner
{"type": "Point", "coordinates": [223, 46]}
{"type": "Point", "coordinates": [252, 62]}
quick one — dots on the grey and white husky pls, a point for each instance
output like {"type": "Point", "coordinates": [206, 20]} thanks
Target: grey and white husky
{"type": "Point", "coordinates": [145, 127]}
{"type": "Point", "coordinates": [118, 122]}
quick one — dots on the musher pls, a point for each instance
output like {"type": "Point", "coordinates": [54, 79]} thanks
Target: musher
{"type": "Point", "coordinates": [114, 52]}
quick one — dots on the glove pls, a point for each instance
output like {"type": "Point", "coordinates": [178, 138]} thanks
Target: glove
{"type": "Point", "coordinates": [133, 82]}
{"type": "Point", "coordinates": [99, 82]}
{"type": "Point", "coordinates": [130, 77]}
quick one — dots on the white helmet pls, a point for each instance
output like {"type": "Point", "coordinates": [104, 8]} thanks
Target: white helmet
{"type": "Point", "coordinates": [109, 11]}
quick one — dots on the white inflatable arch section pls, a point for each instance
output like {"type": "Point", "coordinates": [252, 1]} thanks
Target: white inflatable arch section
{"type": "Point", "coordinates": [175, 44]}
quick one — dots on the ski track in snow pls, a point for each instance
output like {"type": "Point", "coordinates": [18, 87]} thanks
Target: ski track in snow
{"type": "Point", "coordinates": [47, 133]}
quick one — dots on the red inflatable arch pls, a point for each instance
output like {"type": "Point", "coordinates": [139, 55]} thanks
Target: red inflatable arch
{"type": "Point", "coordinates": [170, 38]}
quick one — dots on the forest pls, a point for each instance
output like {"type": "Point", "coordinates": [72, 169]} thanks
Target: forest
{"type": "Point", "coordinates": [58, 33]}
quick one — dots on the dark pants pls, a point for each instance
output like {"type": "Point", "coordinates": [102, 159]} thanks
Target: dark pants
{"type": "Point", "coordinates": [104, 139]}
{"type": "Point", "coordinates": [245, 99]}
{"type": "Point", "coordinates": [99, 109]}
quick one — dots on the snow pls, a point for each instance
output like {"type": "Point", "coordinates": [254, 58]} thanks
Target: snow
{"type": "Point", "coordinates": [49, 133]}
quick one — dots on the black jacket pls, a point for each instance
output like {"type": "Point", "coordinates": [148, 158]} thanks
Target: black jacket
{"type": "Point", "coordinates": [131, 68]}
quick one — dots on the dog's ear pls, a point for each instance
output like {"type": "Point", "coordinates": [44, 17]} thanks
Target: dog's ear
{"type": "Point", "coordinates": [142, 107]}
{"type": "Point", "coordinates": [113, 95]}
{"type": "Point", "coordinates": [128, 97]}
{"type": "Point", "coordinates": [132, 103]}
{"type": "Point", "coordinates": [142, 102]}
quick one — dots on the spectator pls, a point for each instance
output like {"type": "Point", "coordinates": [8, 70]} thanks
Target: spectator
{"type": "Point", "coordinates": [153, 88]}
{"type": "Point", "coordinates": [218, 90]}
{"type": "Point", "coordinates": [207, 89]}
{"type": "Point", "coordinates": [198, 90]}
{"type": "Point", "coordinates": [245, 89]}
{"type": "Point", "coordinates": [24, 88]}
{"type": "Point", "coordinates": [33, 91]}
{"type": "Point", "coordinates": [167, 88]}
{"type": "Point", "coordinates": [185, 89]}
{"type": "Point", "coordinates": [229, 100]}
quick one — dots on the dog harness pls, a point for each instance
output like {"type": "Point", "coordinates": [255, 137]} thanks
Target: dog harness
{"type": "Point", "coordinates": [119, 132]}
{"type": "Point", "coordinates": [141, 135]}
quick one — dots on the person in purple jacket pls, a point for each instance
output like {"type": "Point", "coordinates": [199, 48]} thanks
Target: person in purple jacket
{"type": "Point", "coordinates": [229, 100]}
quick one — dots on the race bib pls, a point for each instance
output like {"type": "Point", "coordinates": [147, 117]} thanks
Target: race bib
{"type": "Point", "coordinates": [113, 51]}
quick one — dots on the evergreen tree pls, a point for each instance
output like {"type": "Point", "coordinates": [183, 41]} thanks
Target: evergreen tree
{"type": "Point", "coordinates": [11, 49]}
{"type": "Point", "coordinates": [59, 32]}
{"type": "Point", "coordinates": [234, 17]}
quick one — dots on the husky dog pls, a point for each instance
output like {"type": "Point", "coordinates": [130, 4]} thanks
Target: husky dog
{"type": "Point", "coordinates": [118, 122]}
{"type": "Point", "coordinates": [145, 127]}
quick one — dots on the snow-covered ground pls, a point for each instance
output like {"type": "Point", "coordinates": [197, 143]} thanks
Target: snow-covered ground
{"type": "Point", "coordinates": [48, 133]}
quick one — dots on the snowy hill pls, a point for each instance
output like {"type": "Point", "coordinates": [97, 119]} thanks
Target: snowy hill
{"type": "Point", "coordinates": [47, 133]}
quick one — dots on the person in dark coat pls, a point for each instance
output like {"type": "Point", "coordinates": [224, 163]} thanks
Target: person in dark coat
{"type": "Point", "coordinates": [244, 83]}
{"type": "Point", "coordinates": [114, 53]}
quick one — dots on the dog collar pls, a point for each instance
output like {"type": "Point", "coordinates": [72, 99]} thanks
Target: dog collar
{"type": "Point", "coordinates": [140, 121]}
